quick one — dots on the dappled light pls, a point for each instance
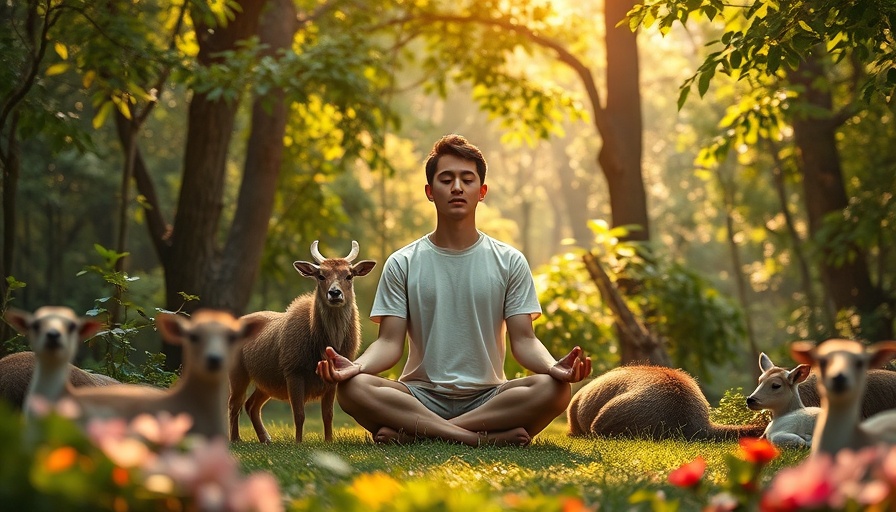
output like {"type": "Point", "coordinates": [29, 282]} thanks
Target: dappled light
{"type": "Point", "coordinates": [685, 184]}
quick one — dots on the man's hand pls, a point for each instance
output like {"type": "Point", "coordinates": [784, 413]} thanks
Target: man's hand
{"type": "Point", "coordinates": [336, 368]}
{"type": "Point", "coordinates": [572, 368]}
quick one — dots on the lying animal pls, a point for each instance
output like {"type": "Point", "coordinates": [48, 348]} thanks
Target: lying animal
{"type": "Point", "coordinates": [648, 401]}
{"type": "Point", "coordinates": [792, 422]}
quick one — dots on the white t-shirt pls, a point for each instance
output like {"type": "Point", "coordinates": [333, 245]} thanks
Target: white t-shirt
{"type": "Point", "coordinates": [455, 303]}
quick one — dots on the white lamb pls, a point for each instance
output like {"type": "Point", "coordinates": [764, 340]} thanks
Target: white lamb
{"type": "Point", "coordinates": [792, 422]}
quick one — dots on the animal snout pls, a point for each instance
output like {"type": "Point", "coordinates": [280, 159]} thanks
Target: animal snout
{"type": "Point", "coordinates": [214, 363]}
{"type": "Point", "coordinates": [752, 403]}
{"type": "Point", "coordinates": [839, 383]}
{"type": "Point", "coordinates": [53, 339]}
{"type": "Point", "coordinates": [334, 295]}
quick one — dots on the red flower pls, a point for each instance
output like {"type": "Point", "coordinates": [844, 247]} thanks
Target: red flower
{"type": "Point", "coordinates": [757, 451]}
{"type": "Point", "coordinates": [689, 474]}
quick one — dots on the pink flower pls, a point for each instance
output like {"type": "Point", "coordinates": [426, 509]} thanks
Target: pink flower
{"type": "Point", "coordinates": [888, 467]}
{"type": "Point", "coordinates": [689, 474]}
{"type": "Point", "coordinates": [113, 438]}
{"type": "Point", "coordinates": [41, 407]}
{"type": "Point", "coordinates": [163, 429]}
{"type": "Point", "coordinates": [800, 487]}
{"type": "Point", "coordinates": [258, 493]}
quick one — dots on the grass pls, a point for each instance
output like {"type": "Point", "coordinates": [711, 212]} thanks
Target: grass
{"type": "Point", "coordinates": [605, 472]}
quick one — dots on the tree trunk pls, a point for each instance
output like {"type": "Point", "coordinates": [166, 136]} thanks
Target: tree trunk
{"type": "Point", "coordinates": [644, 346]}
{"type": "Point", "coordinates": [620, 156]}
{"type": "Point", "coordinates": [848, 284]}
{"type": "Point", "coordinates": [194, 264]}
{"type": "Point", "coordinates": [821, 318]}
{"type": "Point", "coordinates": [264, 156]}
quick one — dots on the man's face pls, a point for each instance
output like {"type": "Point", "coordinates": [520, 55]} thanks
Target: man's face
{"type": "Point", "coordinates": [456, 188]}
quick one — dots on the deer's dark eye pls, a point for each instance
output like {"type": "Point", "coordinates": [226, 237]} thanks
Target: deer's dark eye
{"type": "Point", "coordinates": [860, 364]}
{"type": "Point", "coordinates": [71, 327]}
{"type": "Point", "coordinates": [349, 277]}
{"type": "Point", "coordinates": [320, 277]}
{"type": "Point", "coordinates": [231, 338]}
{"type": "Point", "coordinates": [822, 364]}
{"type": "Point", "coordinates": [776, 386]}
{"type": "Point", "coordinates": [193, 337]}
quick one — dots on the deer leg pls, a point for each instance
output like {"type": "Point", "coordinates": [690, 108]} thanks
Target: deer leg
{"type": "Point", "coordinates": [239, 382]}
{"type": "Point", "coordinates": [326, 411]}
{"type": "Point", "coordinates": [253, 406]}
{"type": "Point", "coordinates": [296, 389]}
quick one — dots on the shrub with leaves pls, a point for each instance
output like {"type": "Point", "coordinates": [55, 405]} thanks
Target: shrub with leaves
{"type": "Point", "coordinates": [733, 410]}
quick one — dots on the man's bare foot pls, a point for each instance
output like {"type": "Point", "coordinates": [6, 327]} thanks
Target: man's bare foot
{"type": "Point", "coordinates": [386, 435]}
{"type": "Point", "coordinates": [513, 437]}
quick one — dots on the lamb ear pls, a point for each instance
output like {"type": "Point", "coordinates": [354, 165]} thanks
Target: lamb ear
{"type": "Point", "coordinates": [18, 319]}
{"type": "Point", "coordinates": [798, 374]}
{"type": "Point", "coordinates": [765, 364]}
{"type": "Point", "coordinates": [881, 353]}
{"type": "Point", "coordinates": [170, 327]}
{"type": "Point", "coordinates": [306, 269]}
{"type": "Point", "coordinates": [803, 351]}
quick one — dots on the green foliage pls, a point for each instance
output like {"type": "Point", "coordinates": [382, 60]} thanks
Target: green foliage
{"type": "Point", "coordinates": [733, 410]}
{"type": "Point", "coordinates": [573, 312]}
{"type": "Point", "coordinates": [677, 303]}
{"type": "Point", "coordinates": [774, 36]}
{"type": "Point", "coordinates": [478, 43]}
{"type": "Point", "coordinates": [17, 343]}
{"type": "Point", "coordinates": [702, 325]}
{"type": "Point", "coordinates": [118, 337]}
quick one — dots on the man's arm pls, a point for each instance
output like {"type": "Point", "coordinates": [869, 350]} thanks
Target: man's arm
{"type": "Point", "coordinates": [381, 355]}
{"type": "Point", "coordinates": [531, 353]}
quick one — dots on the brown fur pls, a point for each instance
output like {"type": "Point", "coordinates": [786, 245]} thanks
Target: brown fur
{"type": "Point", "coordinates": [650, 402]}
{"type": "Point", "coordinates": [16, 371]}
{"type": "Point", "coordinates": [281, 361]}
{"type": "Point", "coordinates": [210, 339]}
{"type": "Point", "coordinates": [879, 392]}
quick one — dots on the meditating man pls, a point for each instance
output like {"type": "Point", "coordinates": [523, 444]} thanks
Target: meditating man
{"type": "Point", "coordinates": [454, 293]}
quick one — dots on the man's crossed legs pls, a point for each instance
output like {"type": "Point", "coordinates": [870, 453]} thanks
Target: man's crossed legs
{"type": "Point", "coordinates": [521, 409]}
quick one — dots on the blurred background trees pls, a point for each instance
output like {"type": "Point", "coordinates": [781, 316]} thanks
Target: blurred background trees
{"type": "Point", "coordinates": [213, 141]}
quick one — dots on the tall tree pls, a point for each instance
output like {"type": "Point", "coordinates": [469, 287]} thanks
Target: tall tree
{"type": "Point", "coordinates": [616, 118]}
{"type": "Point", "coordinates": [801, 46]}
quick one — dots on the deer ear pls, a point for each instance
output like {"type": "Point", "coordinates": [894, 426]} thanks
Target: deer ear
{"type": "Point", "coordinates": [89, 328]}
{"type": "Point", "coordinates": [306, 269]}
{"type": "Point", "coordinates": [18, 319]}
{"type": "Point", "coordinates": [170, 327]}
{"type": "Point", "coordinates": [881, 353]}
{"type": "Point", "coordinates": [362, 268]}
{"type": "Point", "coordinates": [765, 364]}
{"type": "Point", "coordinates": [798, 374]}
{"type": "Point", "coordinates": [803, 351]}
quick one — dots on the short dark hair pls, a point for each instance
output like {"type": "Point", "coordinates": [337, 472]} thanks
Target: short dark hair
{"type": "Point", "coordinates": [458, 146]}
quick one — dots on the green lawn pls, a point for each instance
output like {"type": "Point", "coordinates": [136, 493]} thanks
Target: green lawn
{"type": "Point", "coordinates": [604, 472]}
